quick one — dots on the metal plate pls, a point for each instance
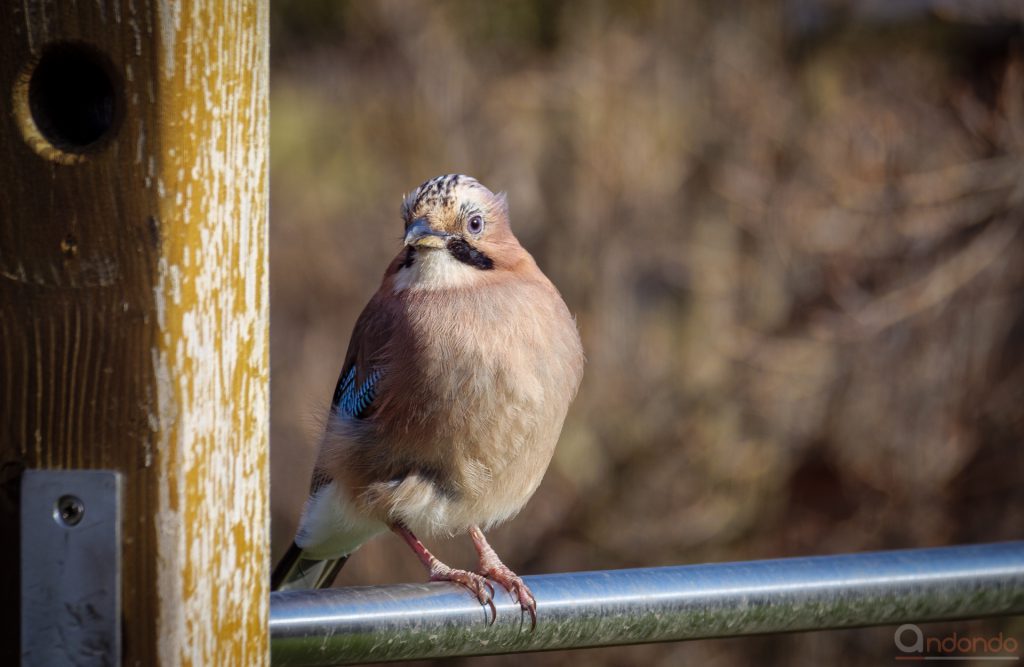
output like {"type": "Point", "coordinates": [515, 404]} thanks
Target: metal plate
{"type": "Point", "coordinates": [71, 568]}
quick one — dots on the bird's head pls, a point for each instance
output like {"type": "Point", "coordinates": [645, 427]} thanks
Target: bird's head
{"type": "Point", "coordinates": [454, 229]}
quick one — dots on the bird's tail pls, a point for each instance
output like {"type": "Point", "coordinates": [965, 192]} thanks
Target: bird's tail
{"type": "Point", "coordinates": [296, 572]}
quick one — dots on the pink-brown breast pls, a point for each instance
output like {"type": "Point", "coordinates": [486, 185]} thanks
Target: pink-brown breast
{"type": "Point", "coordinates": [476, 387]}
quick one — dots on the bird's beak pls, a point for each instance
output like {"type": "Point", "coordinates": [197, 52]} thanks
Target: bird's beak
{"type": "Point", "coordinates": [420, 234]}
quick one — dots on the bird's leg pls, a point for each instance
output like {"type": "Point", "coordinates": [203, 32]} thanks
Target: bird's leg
{"type": "Point", "coordinates": [438, 571]}
{"type": "Point", "coordinates": [491, 566]}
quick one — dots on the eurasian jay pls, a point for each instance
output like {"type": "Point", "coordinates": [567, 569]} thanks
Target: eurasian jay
{"type": "Point", "coordinates": [457, 380]}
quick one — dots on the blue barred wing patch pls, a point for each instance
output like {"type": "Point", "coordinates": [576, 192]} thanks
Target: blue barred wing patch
{"type": "Point", "coordinates": [352, 400]}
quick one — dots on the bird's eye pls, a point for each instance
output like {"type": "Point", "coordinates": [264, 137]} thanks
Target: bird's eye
{"type": "Point", "coordinates": [475, 224]}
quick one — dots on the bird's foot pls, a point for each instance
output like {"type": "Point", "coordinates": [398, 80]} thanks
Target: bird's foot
{"type": "Point", "coordinates": [492, 567]}
{"type": "Point", "coordinates": [515, 585]}
{"type": "Point", "coordinates": [477, 585]}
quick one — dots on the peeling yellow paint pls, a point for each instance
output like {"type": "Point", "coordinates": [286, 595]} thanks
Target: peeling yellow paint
{"type": "Point", "coordinates": [134, 308]}
{"type": "Point", "coordinates": [212, 449]}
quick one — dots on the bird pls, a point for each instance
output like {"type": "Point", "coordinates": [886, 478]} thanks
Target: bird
{"type": "Point", "coordinates": [453, 392]}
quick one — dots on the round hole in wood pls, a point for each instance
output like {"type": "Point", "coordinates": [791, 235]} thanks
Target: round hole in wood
{"type": "Point", "coordinates": [67, 102]}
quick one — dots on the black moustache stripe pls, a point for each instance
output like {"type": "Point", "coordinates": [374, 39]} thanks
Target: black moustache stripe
{"type": "Point", "coordinates": [467, 254]}
{"type": "Point", "coordinates": [410, 258]}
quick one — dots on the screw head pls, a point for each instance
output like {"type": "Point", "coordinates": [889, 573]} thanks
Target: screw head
{"type": "Point", "coordinates": [69, 511]}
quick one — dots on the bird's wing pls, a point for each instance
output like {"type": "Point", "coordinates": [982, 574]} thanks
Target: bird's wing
{"type": "Point", "coordinates": [353, 399]}
{"type": "Point", "coordinates": [362, 371]}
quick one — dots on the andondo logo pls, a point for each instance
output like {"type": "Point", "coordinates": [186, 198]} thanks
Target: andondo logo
{"type": "Point", "coordinates": [913, 644]}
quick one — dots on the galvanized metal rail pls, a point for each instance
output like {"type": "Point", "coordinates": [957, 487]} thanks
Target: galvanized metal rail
{"type": "Point", "coordinates": [383, 623]}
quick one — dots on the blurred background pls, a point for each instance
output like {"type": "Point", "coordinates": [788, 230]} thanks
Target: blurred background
{"type": "Point", "coordinates": [791, 233]}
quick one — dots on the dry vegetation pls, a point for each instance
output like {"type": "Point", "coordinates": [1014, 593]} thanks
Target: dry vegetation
{"type": "Point", "coordinates": [793, 246]}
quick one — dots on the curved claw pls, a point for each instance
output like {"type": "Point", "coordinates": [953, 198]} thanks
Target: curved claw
{"type": "Point", "coordinates": [494, 612]}
{"type": "Point", "coordinates": [519, 591]}
{"type": "Point", "coordinates": [491, 566]}
{"type": "Point", "coordinates": [526, 601]}
{"type": "Point", "coordinates": [477, 585]}
{"type": "Point", "coordinates": [529, 605]}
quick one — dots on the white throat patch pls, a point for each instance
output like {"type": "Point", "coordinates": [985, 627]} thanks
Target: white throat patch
{"type": "Point", "coordinates": [434, 269]}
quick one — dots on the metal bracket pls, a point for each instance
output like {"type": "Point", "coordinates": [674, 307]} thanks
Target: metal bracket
{"type": "Point", "coordinates": [71, 568]}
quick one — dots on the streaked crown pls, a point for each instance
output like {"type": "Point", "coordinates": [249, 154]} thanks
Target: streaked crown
{"type": "Point", "coordinates": [441, 195]}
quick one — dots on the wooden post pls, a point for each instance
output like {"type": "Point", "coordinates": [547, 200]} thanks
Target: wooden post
{"type": "Point", "coordinates": [133, 301]}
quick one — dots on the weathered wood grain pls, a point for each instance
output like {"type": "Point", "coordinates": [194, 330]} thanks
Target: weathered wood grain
{"type": "Point", "coordinates": [133, 311]}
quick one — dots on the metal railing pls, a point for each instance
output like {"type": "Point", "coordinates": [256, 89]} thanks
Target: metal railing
{"type": "Point", "coordinates": [383, 623]}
